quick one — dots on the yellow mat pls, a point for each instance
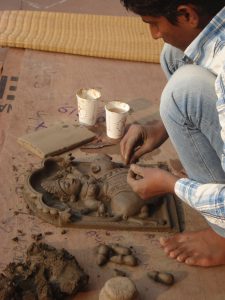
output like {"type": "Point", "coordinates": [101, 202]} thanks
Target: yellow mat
{"type": "Point", "coordinates": [114, 37]}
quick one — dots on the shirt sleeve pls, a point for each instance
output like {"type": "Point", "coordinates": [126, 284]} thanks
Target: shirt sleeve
{"type": "Point", "coordinates": [220, 91]}
{"type": "Point", "coordinates": [208, 199]}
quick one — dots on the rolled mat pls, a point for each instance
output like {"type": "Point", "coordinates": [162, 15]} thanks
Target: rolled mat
{"type": "Point", "coordinates": [126, 38]}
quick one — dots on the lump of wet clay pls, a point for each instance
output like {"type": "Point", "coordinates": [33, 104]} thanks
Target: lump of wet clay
{"type": "Point", "coordinates": [162, 277]}
{"type": "Point", "coordinates": [47, 274]}
{"type": "Point", "coordinates": [115, 253]}
{"type": "Point", "coordinates": [119, 288]}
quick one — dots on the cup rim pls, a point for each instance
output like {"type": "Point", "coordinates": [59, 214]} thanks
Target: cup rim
{"type": "Point", "coordinates": [117, 102]}
{"type": "Point", "coordinates": [79, 93]}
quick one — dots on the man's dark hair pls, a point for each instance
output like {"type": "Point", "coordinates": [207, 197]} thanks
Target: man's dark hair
{"type": "Point", "coordinates": [168, 8]}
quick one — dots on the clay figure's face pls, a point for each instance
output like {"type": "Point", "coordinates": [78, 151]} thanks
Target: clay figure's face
{"type": "Point", "coordinates": [92, 190]}
{"type": "Point", "coordinates": [70, 185]}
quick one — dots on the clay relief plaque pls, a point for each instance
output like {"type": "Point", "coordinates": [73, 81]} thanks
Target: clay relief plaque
{"type": "Point", "coordinates": [94, 194]}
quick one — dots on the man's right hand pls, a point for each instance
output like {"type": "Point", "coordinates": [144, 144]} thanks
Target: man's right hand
{"type": "Point", "coordinates": [141, 139]}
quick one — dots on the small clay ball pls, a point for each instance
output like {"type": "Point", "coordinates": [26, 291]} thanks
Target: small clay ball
{"type": "Point", "coordinates": [101, 259]}
{"type": "Point", "coordinates": [103, 249]}
{"type": "Point", "coordinates": [95, 169]}
{"type": "Point", "coordinates": [119, 288]}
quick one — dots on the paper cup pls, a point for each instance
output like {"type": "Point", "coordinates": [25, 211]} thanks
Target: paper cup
{"type": "Point", "coordinates": [87, 101]}
{"type": "Point", "coordinates": [116, 115]}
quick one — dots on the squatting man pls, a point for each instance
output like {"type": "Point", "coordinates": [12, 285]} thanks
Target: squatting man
{"type": "Point", "coordinates": [192, 110]}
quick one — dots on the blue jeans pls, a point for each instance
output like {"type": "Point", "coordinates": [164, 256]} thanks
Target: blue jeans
{"type": "Point", "coordinates": [188, 111]}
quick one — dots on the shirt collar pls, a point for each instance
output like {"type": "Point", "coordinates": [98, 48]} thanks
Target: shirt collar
{"type": "Point", "coordinates": [196, 49]}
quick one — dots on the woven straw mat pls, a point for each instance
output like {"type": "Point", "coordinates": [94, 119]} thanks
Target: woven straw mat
{"type": "Point", "coordinates": [126, 38]}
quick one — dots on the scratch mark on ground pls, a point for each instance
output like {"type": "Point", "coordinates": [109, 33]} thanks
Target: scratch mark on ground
{"type": "Point", "coordinates": [38, 6]}
{"type": "Point", "coordinates": [2, 139]}
{"type": "Point", "coordinates": [32, 4]}
{"type": "Point", "coordinates": [55, 4]}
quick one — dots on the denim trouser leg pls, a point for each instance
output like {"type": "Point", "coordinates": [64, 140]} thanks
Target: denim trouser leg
{"type": "Point", "coordinates": [171, 59]}
{"type": "Point", "coordinates": [188, 111]}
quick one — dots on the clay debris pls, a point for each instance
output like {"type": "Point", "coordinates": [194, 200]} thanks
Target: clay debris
{"type": "Point", "coordinates": [47, 274]}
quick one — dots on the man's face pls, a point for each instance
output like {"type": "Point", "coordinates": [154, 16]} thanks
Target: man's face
{"type": "Point", "coordinates": [179, 35]}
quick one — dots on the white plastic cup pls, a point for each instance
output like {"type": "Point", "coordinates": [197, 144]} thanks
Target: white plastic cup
{"type": "Point", "coordinates": [87, 101]}
{"type": "Point", "coordinates": [116, 115]}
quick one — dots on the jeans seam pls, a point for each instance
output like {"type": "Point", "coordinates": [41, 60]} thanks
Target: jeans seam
{"type": "Point", "coordinates": [202, 158]}
{"type": "Point", "coordinates": [204, 123]}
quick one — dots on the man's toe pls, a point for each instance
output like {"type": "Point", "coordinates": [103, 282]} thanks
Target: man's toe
{"type": "Point", "coordinates": [175, 253]}
{"type": "Point", "coordinates": [163, 241]}
{"type": "Point", "coordinates": [182, 257]}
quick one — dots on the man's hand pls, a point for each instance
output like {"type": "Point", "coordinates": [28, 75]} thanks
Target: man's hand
{"type": "Point", "coordinates": [150, 182]}
{"type": "Point", "coordinates": [140, 140]}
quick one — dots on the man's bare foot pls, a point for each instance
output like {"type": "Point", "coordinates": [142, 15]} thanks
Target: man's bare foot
{"type": "Point", "coordinates": [202, 248]}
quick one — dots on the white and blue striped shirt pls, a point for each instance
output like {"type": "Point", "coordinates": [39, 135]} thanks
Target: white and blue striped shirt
{"type": "Point", "coordinates": [208, 51]}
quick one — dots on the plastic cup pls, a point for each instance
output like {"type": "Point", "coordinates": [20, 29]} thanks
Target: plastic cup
{"type": "Point", "coordinates": [87, 101]}
{"type": "Point", "coordinates": [116, 115]}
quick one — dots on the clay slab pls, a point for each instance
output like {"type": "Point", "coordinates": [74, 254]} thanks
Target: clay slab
{"type": "Point", "coordinates": [56, 139]}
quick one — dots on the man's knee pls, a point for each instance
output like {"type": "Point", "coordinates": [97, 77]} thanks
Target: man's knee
{"type": "Point", "coordinates": [170, 59]}
{"type": "Point", "coordinates": [186, 89]}
{"type": "Point", "coordinates": [174, 93]}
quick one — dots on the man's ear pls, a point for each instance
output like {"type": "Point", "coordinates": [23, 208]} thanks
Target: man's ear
{"type": "Point", "coordinates": [188, 14]}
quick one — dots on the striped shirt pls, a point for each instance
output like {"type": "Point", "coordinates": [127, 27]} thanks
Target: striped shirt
{"type": "Point", "coordinates": [208, 51]}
